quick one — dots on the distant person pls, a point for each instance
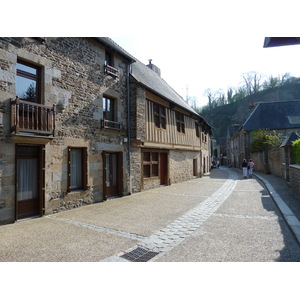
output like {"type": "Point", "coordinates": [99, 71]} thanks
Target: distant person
{"type": "Point", "coordinates": [218, 164]}
{"type": "Point", "coordinates": [250, 167]}
{"type": "Point", "coordinates": [245, 169]}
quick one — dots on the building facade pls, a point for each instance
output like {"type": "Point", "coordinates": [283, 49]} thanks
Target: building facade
{"type": "Point", "coordinates": [171, 143]}
{"type": "Point", "coordinates": [63, 124]}
{"type": "Point", "coordinates": [81, 122]}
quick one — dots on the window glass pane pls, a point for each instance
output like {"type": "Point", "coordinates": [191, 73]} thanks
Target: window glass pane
{"type": "Point", "coordinates": [156, 121]}
{"type": "Point", "coordinates": [155, 170]}
{"type": "Point", "coordinates": [182, 128]}
{"type": "Point", "coordinates": [26, 89]}
{"type": "Point", "coordinates": [30, 150]}
{"type": "Point", "coordinates": [163, 123]}
{"type": "Point", "coordinates": [154, 156]}
{"type": "Point", "coordinates": [155, 108]}
{"type": "Point", "coordinates": [115, 169]}
{"type": "Point", "coordinates": [27, 179]}
{"type": "Point", "coordinates": [27, 69]}
{"type": "Point", "coordinates": [108, 59]}
{"type": "Point", "coordinates": [162, 111]}
{"type": "Point", "coordinates": [146, 156]}
{"type": "Point", "coordinates": [147, 171]}
{"type": "Point", "coordinates": [108, 168]}
{"type": "Point", "coordinates": [108, 109]}
{"type": "Point", "coordinates": [76, 169]}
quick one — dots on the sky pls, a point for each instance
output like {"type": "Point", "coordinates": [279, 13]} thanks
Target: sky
{"type": "Point", "coordinates": [192, 64]}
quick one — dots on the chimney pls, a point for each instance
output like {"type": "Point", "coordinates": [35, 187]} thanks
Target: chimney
{"type": "Point", "coordinates": [153, 67]}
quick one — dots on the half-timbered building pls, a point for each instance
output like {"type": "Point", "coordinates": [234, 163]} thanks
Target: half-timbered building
{"type": "Point", "coordinates": [170, 141]}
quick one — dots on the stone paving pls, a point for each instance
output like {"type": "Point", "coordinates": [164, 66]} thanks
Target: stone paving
{"type": "Point", "coordinates": [173, 234]}
{"type": "Point", "coordinates": [212, 218]}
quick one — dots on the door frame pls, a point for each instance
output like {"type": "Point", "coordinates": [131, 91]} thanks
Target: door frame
{"type": "Point", "coordinates": [120, 185]}
{"type": "Point", "coordinates": [41, 178]}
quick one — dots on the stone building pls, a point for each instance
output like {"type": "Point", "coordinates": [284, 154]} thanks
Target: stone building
{"type": "Point", "coordinates": [66, 137]}
{"type": "Point", "coordinates": [63, 124]}
{"type": "Point", "coordinates": [171, 143]}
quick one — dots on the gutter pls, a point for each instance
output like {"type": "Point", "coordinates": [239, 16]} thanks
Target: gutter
{"type": "Point", "coordinates": [129, 125]}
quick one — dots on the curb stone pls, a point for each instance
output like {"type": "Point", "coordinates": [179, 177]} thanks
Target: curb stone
{"type": "Point", "coordinates": [288, 215]}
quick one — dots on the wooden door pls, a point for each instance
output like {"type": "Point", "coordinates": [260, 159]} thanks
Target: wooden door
{"type": "Point", "coordinates": [163, 168]}
{"type": "Point", "coordinates": [113, 174]}
{"type": "Point", "coordinates": [195, 167]}
{"type": "Point", "coordinates": [28, 181]}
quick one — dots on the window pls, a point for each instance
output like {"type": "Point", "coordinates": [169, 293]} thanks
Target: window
{"type": "Point", "coordinates": [109, 65]}
{"type": "Point", "coordinates": [180, 122]}
{"type": "Point", "coordinates": [159, 116]}
{"type": "Point", "coordinates": [150, 164]}
{"type": "Point", "coordinates": [77, 169]}
{"type": "Point", "coordinates": [197, 127]}
{"type": "Point", "coordinates": [108, 59]}
{"type": "Point", "coordinates": [28, 82]}
{"type": "Point", "coordinates": [109, 109]}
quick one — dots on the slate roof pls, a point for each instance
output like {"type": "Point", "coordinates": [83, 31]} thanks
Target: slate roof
{"type": "Point", "coordinates": [274, 116]}
{"type": "Point", "coordinates": [158, 85]}
{"type": "Point", "coordinates": [113, 45]}
{"type": "Point", "coordinates": [293, 136]}
{"type": "Point", "coordinates": [147, 77]}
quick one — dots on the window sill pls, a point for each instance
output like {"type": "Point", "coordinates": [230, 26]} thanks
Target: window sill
{"type": "Point", "coordinates": [150, 178]}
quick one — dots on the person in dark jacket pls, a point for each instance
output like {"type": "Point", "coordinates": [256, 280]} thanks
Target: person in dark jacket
{"type": "Point", "coordinates": [245, 169]}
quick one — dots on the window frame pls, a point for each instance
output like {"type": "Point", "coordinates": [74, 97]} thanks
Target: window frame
{"type": "Point", "coordinates": [180, 126]}
{"type": "Point", "coordinates": [159, 114]}
{"type": "Point", "coordinates": [84, 171]}
{"type": "Point", "coordinates": [37, 78]}
{"type": "Point", "coordinates": [113, 103]}
{"type": "Point", "coordinates": [109, 59]}
{"type": "Point", "coordinates": [152, 163]}
{"type": "Point", "coordinates": [197, 128]}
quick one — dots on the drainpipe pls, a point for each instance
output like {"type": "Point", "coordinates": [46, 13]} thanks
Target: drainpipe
{"type": "Point", "coordinates": [129, 125]}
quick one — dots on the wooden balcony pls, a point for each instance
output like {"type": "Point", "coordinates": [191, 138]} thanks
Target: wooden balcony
{"type": "Point", "coordinates": [29, 117]}
{"type": "Point", "coordinates": [110, 125]}
{"type": "Point", "coordinates": [111, 71]}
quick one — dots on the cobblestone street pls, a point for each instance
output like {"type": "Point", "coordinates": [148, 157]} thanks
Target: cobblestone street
{"type": "Point", "coordinates": [221, 217]}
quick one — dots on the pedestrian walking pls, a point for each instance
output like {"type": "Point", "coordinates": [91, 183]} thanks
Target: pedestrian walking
{"type": "Point", "coordinates": [245, 168]}
{"type": "Point", "coordinates": [250, 167]}
{"type": "Point", "coordinates": [218, 164]}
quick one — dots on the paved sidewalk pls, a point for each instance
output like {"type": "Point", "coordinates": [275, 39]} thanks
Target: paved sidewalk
{"type": "Point", "coordinates": [287, 201]}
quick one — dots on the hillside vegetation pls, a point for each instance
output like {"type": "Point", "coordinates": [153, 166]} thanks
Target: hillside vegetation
{"type": "Point", "coordinates": [223, 116]}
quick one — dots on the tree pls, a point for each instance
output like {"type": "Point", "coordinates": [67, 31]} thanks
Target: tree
{"type": "Point", "coordinates": [210, 95]}
{"type": "Point", "coordinates": [264, 139]}
{"type": "Point", "coordinates": [252, 82]}
{"type": "Point", "coordinates": [30, 94]}
{"type": "Point", "coordinates": [230, 98]}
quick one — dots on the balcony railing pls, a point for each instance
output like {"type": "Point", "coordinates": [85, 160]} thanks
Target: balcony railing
{"type": "Point", "coordinates": [111, 71]}
{"type": "Point", "coordinates": [31, 117]}
{"type": "Point", "coordinates": [110, 125]}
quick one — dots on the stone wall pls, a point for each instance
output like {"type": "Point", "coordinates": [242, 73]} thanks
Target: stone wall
{"type": "Point", "coordinates": [136, 169]}
{"type": "Point", "coordinates": [73, 79]}
{"type": "Point", "coordinates": [295, 179]}
{"type": "Point", "coordinates": [181, 165]}
{"type": "Point", "coordinates": [269, 162]}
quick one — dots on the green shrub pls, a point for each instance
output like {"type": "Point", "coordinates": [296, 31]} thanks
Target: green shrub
{"type": "Point", "coordinates": [296, 151]}
{"type": "Point", "coordinates": [264, 139]}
